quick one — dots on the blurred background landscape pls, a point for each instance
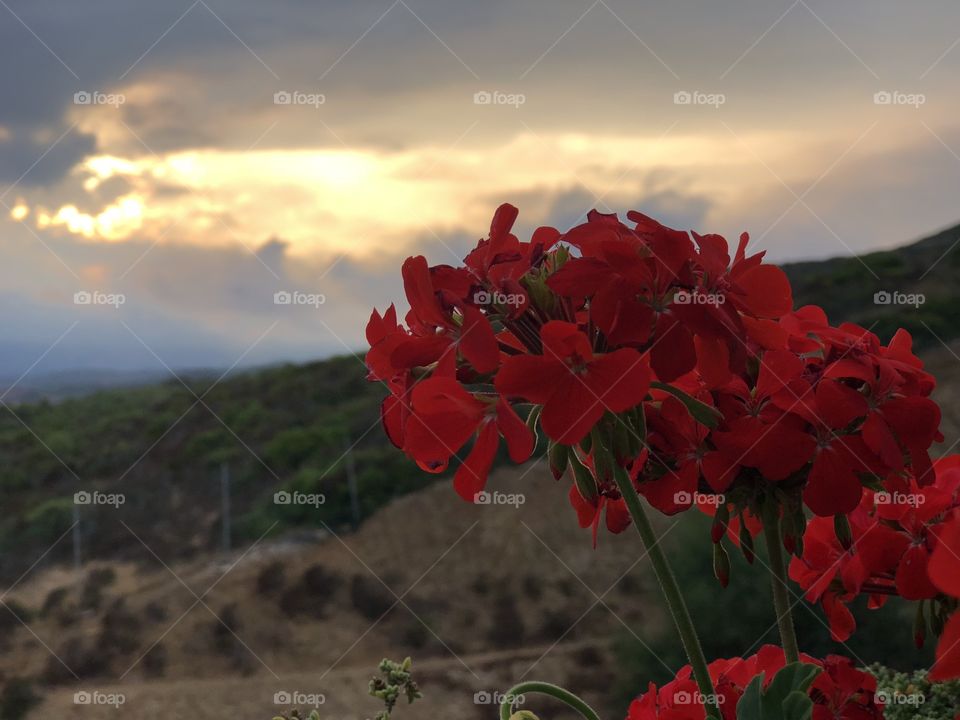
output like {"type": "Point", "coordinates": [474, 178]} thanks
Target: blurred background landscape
{"type": "Point", "coordinates": [202, 200]}
{"type": "Point", "coordinates": [307, 598]}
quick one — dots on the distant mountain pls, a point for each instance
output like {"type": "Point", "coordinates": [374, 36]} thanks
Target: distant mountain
{"type": "Point", "coordinates": [877, 290]}
{"type": "Point", "coordinates": [63, 384]}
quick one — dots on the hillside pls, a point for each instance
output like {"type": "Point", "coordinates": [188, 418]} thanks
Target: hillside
{"type": "Point", "coordinates": [486, 591]}
{"type": "Point", "coordinates": [846, 288]}
{"type": "Point", "coordinates": [162, 447]}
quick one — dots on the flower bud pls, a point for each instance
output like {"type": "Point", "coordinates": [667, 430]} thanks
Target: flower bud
{"type": "Point", "coordinates": [523, 715]}
{"type": "Point", "coordinates": [558, 456]}
{"type": "Point", "coordinates": [841, 526]}
{"type": "Point", "coordinates": [581, 475]}
{"type": "Point", "coordinates": [532, 419]}
{"type": "Point", "coordinates": [746, 542]}
{"type": "Point", "coordinates": [919, 626]}
{"type": "Point", "coordinates": [719, 527]}
{"type": "Point", "coordinates": [721, 564]}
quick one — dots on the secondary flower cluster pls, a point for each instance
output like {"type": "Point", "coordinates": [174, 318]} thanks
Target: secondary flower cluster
{"type": "Point", "coordinates": [840, 691]}
{"type": "Point", "coordinates": [904, 540]}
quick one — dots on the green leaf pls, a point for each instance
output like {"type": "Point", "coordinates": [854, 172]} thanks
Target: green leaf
{"type": "Point", "coordinates": [750, 705]}
{"type": "Point", "coordinates": [701, 412]}
{"type": "Point", "coordinates": [786, 697]}
{"type": "Point", "coordinates": [585, 482]}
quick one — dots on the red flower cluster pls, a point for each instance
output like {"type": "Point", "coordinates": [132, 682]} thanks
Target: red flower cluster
{"type": "Point", "coordinates": [580, 324]}
{"type": "Point", "coordinates": [904, 540]}
{"type": "Point", "coordinates": [580, 337]}
{"type": "Point", "coordinates": [840, 691]}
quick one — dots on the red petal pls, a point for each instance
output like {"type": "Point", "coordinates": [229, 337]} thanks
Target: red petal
{"type": "Point", "coordinates": [586, 511]}
{"type": "Point", "coordinates": [944, 566]}
{"type": "Point", "coordinates": [912, 580]}
{"type": "Point", "coordinates": [471, 476]}
{"type": "Point", "coordinates": [947, 666]}
{"type": "Point", "coordinates": [573, 410]}
{"type": "Point", "coordinates": [713, 361]}
{"type": "Point", "coordinates": [478, 343]}
{"type": "Point", "coordinates": [533, 377]}
{"type": "Point", "coordinates": [673, 353]}
{"type": "Point", "coordinates": [914, 419]}
{"type": "Point", "coordinates": [766, 291]}
{"type": "Point", "coordinates": [620, 379]}
{"type": "Point", "coordinates": [838, 405]}
{"type": "Point", "coordinates": [563, 341]}
{"type": "Point", "coordinates": [419, 290]}
{"type": "Point", "coordinates": [518, 436]}
{"type": "Point", "coordinates": [833, 487]}
{"type": "Point", "coordinates": [618, 517]}
{"type": "Point", "coordinates": [391, 415]}
{"type": "Point", "coordinates": [503, 220]}
{"type": "Point", "coordinates": [877, 436]}
{"type": "Point", "coordinates": [842, 622]}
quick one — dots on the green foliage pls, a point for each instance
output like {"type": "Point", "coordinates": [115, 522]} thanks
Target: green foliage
{"type": "Point", "coordinates": [394, 682]}
{"type": "Point", "coordinates": [17, 699]}
{"type": "Point", "coordinates": [281, 428]}
{"type": "Point", "coordinates": [784, 699]}
{"type": "Point", "coordinates": [911, 696]}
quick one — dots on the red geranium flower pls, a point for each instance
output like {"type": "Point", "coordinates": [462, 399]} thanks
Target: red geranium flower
{"type": "Point", "coordinates": [574, 385]}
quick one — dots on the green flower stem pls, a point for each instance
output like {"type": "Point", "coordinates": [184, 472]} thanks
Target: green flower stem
{"type": "Point", "coordinates": [778, 571]}
{"type": "Point", "coordinates": [671, 590]}
{"type": "Point", "coordinates": [554, 691]}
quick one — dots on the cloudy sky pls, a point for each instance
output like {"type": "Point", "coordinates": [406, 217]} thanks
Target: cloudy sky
{"type": "Point", "coordinates": [178, 163]}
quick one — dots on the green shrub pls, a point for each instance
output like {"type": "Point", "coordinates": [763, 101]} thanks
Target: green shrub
{"type": "Point", "coordinates": [910, 696]}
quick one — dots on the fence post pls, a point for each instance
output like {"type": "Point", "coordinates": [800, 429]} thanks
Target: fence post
{"type": "Point", "coordinates": [225, 505]}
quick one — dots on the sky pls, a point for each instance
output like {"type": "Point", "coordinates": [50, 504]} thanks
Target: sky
{"type": "Point", "coordinates": [170, 172]}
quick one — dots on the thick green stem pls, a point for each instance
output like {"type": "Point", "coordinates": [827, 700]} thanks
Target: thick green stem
{"type": "Point", "coordinates": [778, 572]}
{"type": "Point", "coordinates": [564, 696]}
{"type": "Point", "coordinates": [671, 590]}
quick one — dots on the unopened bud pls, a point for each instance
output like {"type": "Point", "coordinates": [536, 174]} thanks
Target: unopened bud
{"type": "Point", "coordinates": [523, 715]}
{"type": "Point", "coordinates": [532, 419]}
{"type": "Point", "coordinates": [919, 626]}
{"type": "Point", "coordinates": [721, 564]}
{"type": "Point", "coordinates": [581, 475]}
{"type": "Point", "coordinates": [719, 527]}
{"type": "Point", "coordinates": [746, 542]}
{"type": "Point", "coordinates": [841, 526]}
{"type": "Point", "coordinates": [559, 459]}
